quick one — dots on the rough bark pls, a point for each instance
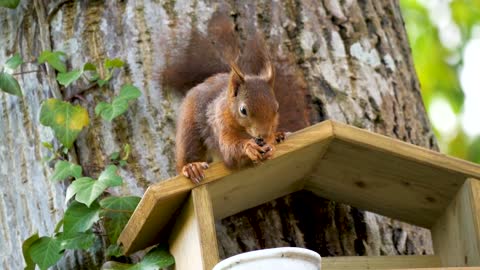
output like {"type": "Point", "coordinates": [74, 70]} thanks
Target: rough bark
{"type": "Point", "coordinates": [353, 64]}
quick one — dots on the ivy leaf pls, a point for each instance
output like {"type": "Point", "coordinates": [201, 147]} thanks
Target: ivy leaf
{"type": "Point", "coordinates": [58, 226]}
{"type": "Point", "coordinates": [102, 82]}
{"type": "Point", "coordinates": [45, 252]}
{"type": "Point", "coordinates": [30, 265]}
{"type": "Point", "coordinates": [113, 63]}
{"type": "Point", "coordinates": [47, 145]}
{"type": "Point", "coordinates": [116, 212]}
{"type": "Point", "coordinates": [156, 258]}
{"type": "Point", "coordinates": [64, 169]}
{"type": "Point", "coordinates": [65, 119]}
{"type": "Point", "coordinates": [110, 177]}
{"type": "Point", "coordinates": [9, 3]}
{"type": "Point", "coordinates": [88, 190]}
{"type": "Point", "coordinates": [114, 156]}
{"type": "Point", "coordinates": [54, 59]}
{"type": "Point", "coordinates": [80, 218]}
{"type": "Point", "coordinates": [119, 104]}
{"type": "Point", "coordinates": [114, 251]}
{"type": "Point", "coordinates": [67, 78]}
{"type": "Point", "coordinates": [9, 84]}
{"type": "Point", "coordinates": [79, 240]}
{"type": "Point", "coordinates": [14, 61]}
{"type": "Point", "coordinates": [89, 67]}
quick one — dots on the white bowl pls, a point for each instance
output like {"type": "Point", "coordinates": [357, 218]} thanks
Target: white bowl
{"type": "Point", "coordinates": [286, 258]}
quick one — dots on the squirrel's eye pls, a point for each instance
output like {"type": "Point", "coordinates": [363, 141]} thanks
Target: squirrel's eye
{"type": "Point", "coordinates": [243, 111]}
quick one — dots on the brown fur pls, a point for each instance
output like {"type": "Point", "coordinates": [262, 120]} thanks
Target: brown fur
{"type": "Point", "coordinates": [210, 123]}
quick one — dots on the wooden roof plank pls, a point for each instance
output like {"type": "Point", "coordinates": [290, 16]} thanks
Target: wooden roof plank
{"type": "Point", "coordinates": [379, 262]}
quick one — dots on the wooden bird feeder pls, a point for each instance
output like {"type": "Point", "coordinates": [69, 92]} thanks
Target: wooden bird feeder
{"type": "Point", "coordinates": [335, 161]}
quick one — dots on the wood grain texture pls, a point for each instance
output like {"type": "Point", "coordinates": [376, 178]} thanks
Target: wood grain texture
{"type": "Point", "coordinates": [357, 167]}
{"type": "Point", "coordinates": [379, 262]}
{"type": "Point", "coordinates": [456, 235]}
{"type": "Point", "coordinates": [193, 242]}
{"type": "Point", "coordinates": [442, 268]}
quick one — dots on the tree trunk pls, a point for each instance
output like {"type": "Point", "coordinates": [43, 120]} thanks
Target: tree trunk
{"type": "Point", "coordinates": [349, 60]}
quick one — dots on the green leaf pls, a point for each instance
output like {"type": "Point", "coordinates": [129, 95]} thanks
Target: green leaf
{"type": "Point", "coordinates": [87, 190]}
{"type": "Point", "coordinates": [114, 251]}
{"type": "Point", "coordinates": [119, 104]}
{"type": "Point", "coordinates": [110, 177]}
{"type": "Point", "coordinates": [54, 59]}
{"type": "Point", "coordinates": [45, 252]}
{"type": "Point", "coordinates": [64, 169]}
{"type": "Point", "coordinates": [116, 212]}
{"type": "Point", "coordinates": [80, 218]}
{"type": "Point", "coordinates": [113, 63]}
{"type": "Point", "coordinates": [9, 84]}
{"type": "Point", "coordinates": [102, 82]}
{"type": "Point", "coordinates": [474, 150]}
{"type": "Point", "coordinates": [78, 240]}
{"type": "Point", "coordinates": [47, 145]}
{"type": "Point", "coordinates": [156, 258]}
{"type": "Point", "coordinates": [9, 3]}
{"type": "Point", "coordinates": [14, 61]}
{"type": "Point", "coordinates": [58, 226]}
{"type": "Point", "coordinates": [65, 119]}
{"type": "Point", "coordinates": [89, 67]}
{"type": "Point", "coordinates": [114, 156]}
{"type": "Point", "coordinates": [67, 78]}
{"type": "Point", "coordinates": [30, 265]}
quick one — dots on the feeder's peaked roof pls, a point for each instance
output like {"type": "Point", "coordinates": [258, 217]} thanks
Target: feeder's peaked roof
{"type": "Point", "coordinates": [335, 161]}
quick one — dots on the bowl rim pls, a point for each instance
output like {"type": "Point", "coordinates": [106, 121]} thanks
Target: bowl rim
{"type": "Point", "coordinates": [282, 252]}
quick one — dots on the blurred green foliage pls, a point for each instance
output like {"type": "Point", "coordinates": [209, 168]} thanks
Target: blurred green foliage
{"type": "Point", "coordinates": [438, 66]}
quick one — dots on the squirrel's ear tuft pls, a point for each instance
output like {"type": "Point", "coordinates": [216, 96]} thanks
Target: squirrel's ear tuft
{"type": "Point", "coordinates": [268, 73]}
{"type": "Point", "coordinates": [236, 79]}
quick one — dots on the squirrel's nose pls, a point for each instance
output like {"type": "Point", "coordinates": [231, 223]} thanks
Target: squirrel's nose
{"type": "Point", "coordinates": [260, 141]}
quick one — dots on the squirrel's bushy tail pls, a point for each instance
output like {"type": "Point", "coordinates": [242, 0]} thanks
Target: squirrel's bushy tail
{"type": "Point", "coordinates": [213, 53]}
{"type": "Point", "coordinates": [204, 55]}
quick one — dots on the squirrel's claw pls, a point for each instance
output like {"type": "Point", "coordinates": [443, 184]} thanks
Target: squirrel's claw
{"type": "Point", "coordinates": [280, 136]}
{"type": "Point", "coordinates": [195, 171]}
{"type": "Point", "coordinates": [258, 153]}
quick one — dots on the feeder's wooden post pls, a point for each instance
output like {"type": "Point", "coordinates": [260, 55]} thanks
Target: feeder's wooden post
{"type": "Point", "coordinates": [456, 235]}
{"type": "Point", "coordinates": [193, 241]}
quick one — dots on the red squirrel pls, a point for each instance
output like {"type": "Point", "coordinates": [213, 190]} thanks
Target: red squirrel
{"type": "Point", "coordinates": [231, 116]}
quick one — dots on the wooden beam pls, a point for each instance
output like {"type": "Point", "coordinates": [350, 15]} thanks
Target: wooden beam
{"type": "Point", "coordinates": [442, 268]}
{"type": "Point", "coordinates": [379, 262]}
{"type": "Point", "coordinates": [193, 241]}
{"type": "Point", "coordinates": [249, 188]}
{"type": "Point", "coordinates": [456, 235]}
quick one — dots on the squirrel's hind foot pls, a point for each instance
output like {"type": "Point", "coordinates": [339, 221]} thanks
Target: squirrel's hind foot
{"type": "Point", "coordinates": [195, 171]}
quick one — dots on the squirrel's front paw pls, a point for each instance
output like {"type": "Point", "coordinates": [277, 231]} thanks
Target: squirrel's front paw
{"type": "Point", "coordinates": [194, 171]}
{"type": "Point", "coordinates": [258, 153]}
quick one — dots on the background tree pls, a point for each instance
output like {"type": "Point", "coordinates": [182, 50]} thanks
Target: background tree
{"type": "Point", "coordinates": [349, 60]}
{"type": "Point", "coordinates": [445, 40]}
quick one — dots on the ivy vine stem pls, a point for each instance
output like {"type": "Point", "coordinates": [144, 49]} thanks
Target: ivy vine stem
{"type": "Point", "coordinates": [26, 72]}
